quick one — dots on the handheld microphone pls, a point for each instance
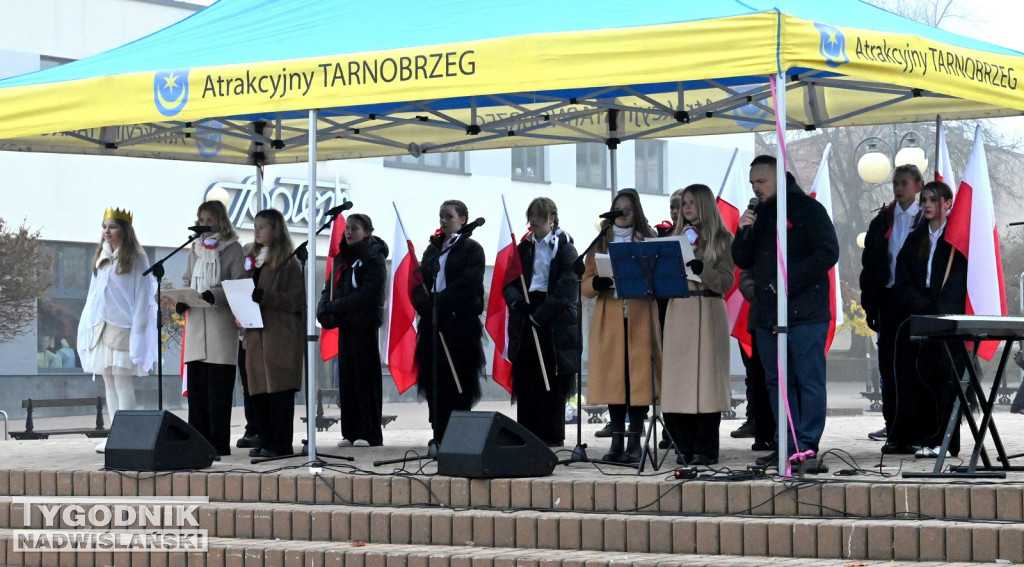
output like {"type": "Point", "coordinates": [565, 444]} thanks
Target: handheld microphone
{"type": "Point", "coordinates": [335, 211]}
{"type": "Point", "coordinates": [750, 206]}
{"type": "Point", "coordinates": [612, 215]}
{"type": "Point", "coordinates": [469, 228]}
{"type": "Point", "coordinates": [201, 229]}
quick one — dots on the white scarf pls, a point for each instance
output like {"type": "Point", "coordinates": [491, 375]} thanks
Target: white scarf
{"type": "Point", "coordinates": [106, 255]}
{"type": "Point", "coordinates": [261, 257]}
{"type": "Point", "coordinates": [206, 272]}
{"type": "Point", "coordinates": [620, 234]}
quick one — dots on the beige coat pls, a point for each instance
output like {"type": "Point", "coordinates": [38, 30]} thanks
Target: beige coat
{"type": "Point", "coordinates": [211, 335]}
{"type": "Point", "coordinates": [606, 382]}
{"type": "Point", "coordinates": [695, 370]}
{"type": "Point", "coordinates": [273, 354]}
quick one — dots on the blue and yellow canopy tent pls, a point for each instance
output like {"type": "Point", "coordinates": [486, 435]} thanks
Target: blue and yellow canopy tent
{"type": "Point", "coordinates": [276, 81]}
{"type": "Point", "coordinates": [233, 82]}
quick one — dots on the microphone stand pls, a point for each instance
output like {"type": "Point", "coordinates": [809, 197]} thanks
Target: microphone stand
{"type": "Point", "coordinates": [579, 452]}
{"type": "Point", "coordinates": [302, 254]}
{"type": "Point", "coordinates": [157, 270]}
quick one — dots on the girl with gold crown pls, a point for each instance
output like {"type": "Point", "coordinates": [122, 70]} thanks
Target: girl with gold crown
{"type": "Point", "coordinates": [117, 331]}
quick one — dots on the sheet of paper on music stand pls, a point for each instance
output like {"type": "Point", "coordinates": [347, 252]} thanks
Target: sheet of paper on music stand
{"type": "Point", "coordinates": [684, 245]}
{"type": "Point", "coordinates": [246, 310]}
{"type": "Point", "coordinates": [604, 265]}
{"type": "Point", "coordinates": [186, 295]}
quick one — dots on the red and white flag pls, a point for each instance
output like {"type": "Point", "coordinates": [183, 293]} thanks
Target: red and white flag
{"type": "Point", "coordinates": [507, 268]}
{"type": "Point", "coordinates": [329, 337]}
{"type": "Point", "coordinates": [971, 229]}
{"type": "Point", "coordinates": [943, 167]}
{"type": "Point", "coordinates": [821, 190]}
{"type": "Point", "coordinates": [732, 202]}
{"type": "Point", "coordinates": [399, 351]}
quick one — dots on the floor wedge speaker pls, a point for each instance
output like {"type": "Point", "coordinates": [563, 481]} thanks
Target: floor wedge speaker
{"type": "Point", "coordinates": [155, 440]}
{"type": "Point", "coordinates": [487, 444]}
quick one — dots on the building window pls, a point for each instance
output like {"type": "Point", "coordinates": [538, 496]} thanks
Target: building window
{"type": "Point", "coordinates": [446, 162]}
{"type": "Point", "coordinates": [650, 166]}
{"type": "Point", "coordinates": [528, 164]}
{"type": "Point", "coordinates": [592, 166]}
{"type": "Point", "coordinates": [60, 309]}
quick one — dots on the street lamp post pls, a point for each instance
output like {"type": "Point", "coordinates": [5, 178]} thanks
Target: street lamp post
{"type": "Point", "coordinates": [875, 163]}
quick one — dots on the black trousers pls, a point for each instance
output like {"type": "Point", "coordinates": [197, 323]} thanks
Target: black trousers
{"type": "Point", "coordinates": [759, 405]}
{"type": "Point", "coordinates": [888, 325]}
{"type": "Point", "coordinates": [250, 417]}
{"type": "Point", "coordinates": [275, 414]}
{"type": "Point", "coordinates": [210, 389]}
{"type": "Point", "coordinates": [360, 391]}
{"type": "Point", "coordinates": [694, 433]}
{"type": "Point", "coordinates": [925, 391]}
{"type": "Point", "coordinates": [540, 411]}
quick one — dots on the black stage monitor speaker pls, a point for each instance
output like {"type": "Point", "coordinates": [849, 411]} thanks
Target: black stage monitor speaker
{"type": "Point", "coordinates": [487, 444]}
{"type": "Point", "coordinates": [155, 440]}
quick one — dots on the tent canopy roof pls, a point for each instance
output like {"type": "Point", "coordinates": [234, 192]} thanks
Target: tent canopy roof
{"type": "Point", "coordinates": [235, 81]}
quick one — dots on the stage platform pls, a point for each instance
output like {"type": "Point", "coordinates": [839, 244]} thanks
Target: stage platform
{"type": "Point", "coordinates": [353, 513]}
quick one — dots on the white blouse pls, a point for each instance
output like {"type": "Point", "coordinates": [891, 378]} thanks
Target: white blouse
{"type": "Point", "coordinates": [122, 300]}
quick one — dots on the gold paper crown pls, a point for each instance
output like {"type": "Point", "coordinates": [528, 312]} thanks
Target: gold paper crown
{"type": "Point", "coordinates": [119, 214]}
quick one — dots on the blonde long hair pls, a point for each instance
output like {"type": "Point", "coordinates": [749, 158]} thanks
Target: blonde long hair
{"type": "Point", "coordinates": [129, 250]}
{"type": "Point", "coordinates": [219, 213]}
{"type": "Point", "coordinates": [715, 240]}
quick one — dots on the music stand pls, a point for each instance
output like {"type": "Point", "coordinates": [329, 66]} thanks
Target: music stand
{"type": "Point", "coordinates": [649, 270]}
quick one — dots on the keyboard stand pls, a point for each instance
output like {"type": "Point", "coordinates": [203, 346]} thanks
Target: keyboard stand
{"type": "Point", "coordinates": [986, 403]}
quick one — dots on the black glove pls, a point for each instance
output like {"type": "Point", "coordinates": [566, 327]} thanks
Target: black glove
{"type": "Point", "coordinates": [180, 308]}
{"type": "Point", "coordinates": [208, 297]}
{"type": "Point", "coordinates": [601, 283]}
{"type": "Point", "coordinates": [257, 295]}
{"type": "Point", "coordinates": [326, 320]}
{"type": "Point", "coordinates": [696, 266]}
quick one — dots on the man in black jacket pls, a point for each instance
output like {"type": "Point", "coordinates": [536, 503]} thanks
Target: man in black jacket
{"type": "Point", "coordinates": [882, 244]}
{"type": "Point", "coordinates": [811, 251]}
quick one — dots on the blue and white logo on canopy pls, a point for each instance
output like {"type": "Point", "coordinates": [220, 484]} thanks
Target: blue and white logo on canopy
{"type": "Point", "coordinates": [170, 91]}
{"type": "Point", "coordinates": [208, 142]}
{"type": "Point", "coordinates": [833, 45]}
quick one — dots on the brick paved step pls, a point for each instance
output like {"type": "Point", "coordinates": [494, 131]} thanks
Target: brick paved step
{"type": "Point", "coordinates": [796, 537]}
{"type": "Point", "coordinates": [820, 497]}
{"type": "Point", "coordinates": [266, 553]}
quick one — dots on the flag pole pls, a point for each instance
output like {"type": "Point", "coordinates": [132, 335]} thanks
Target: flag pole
{"type": "Point", "coordinates": [938, 134]}
{"type": "Point", "coordinates": [526, 296]}
{"type": "Point", "coordinates": [728, 170]}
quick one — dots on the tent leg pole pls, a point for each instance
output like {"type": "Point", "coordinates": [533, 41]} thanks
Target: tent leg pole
{"type": "Point", "coordinates": [311, 295]}
{"type": "Point", "coordinates": [783, 254]}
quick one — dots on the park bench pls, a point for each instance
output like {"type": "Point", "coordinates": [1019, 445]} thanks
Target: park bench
{"type": "Point", "coordinates": [32, 433]}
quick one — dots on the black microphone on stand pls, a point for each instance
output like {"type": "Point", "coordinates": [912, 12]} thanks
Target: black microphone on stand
{"type": "Point", "coordinates": [201, 229]}
{"type": "Point", "coordinates": [1018, 223]}
{"type": "Point", "coordinates": [335, 211]}
{"type": "Point", "coordinates": [469, 228]}
{"type": "Point", "coordinates": [612, 215]}
{"type": "Point", "coordinates": [750, 206]}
